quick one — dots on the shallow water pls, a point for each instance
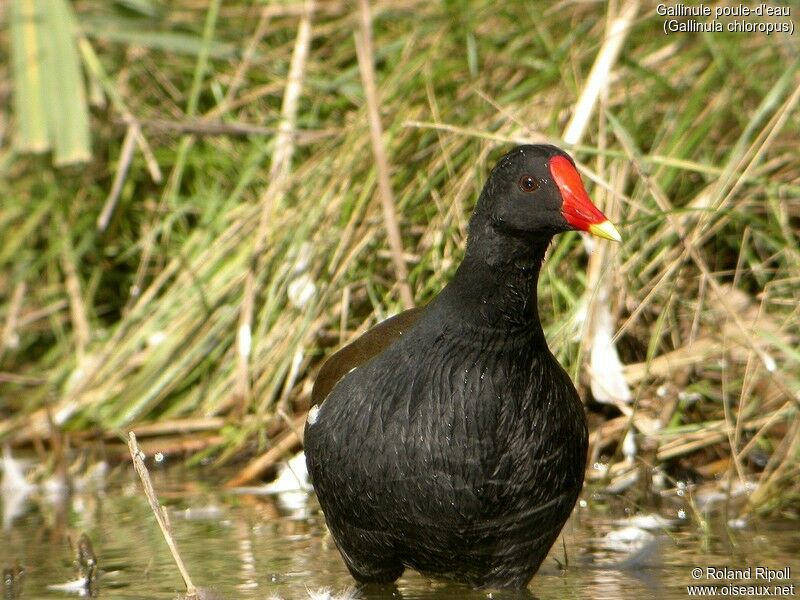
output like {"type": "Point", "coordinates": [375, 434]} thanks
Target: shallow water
{"type": "Point", "coordinates": [244, 546]}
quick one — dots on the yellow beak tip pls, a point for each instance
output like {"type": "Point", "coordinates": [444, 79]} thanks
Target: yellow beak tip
{"type": "Point", "coordinates": [605, 230]}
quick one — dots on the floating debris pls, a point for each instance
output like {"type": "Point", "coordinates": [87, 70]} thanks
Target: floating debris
{"type": "Point", "coordinates": [212, 512]}
{"type": "Point", "coordinates": [649, 522]}
{"type": "Point", "coordinates": [625, 475]}
{"type": "Point", "coordinates": [85, 584]}
{"type": "Point", "coordinates": [87, 559]}
{"type": "Point", "coordinates": [326, 594]}
{"type": "Point", "coordinates": [13, 579]}
{"type": "Point", "coordinates": [638, 545]}
{"type": "Point", "coordinates": [740, 523]}
{"type": "Point", "coordinates": [79, 587]}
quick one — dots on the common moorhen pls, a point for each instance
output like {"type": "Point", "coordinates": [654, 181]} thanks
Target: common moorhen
{"type": "Point", "coordinates": [450, 440]}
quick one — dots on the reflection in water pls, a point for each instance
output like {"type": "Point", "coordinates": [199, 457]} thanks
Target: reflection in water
{"type": "Point", "coordinates": [253, 546]}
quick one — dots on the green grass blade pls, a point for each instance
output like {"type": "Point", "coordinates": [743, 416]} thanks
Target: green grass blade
{"type": "Point", "coordinates": [65, 97]}
{"type": "Point", "coordinates": [32, 133]}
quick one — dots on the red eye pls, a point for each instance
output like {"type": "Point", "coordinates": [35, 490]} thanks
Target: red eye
{"type": "Point", "coordinates": [528, 183]}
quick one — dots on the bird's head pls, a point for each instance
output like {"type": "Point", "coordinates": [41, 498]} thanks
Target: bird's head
{"type": "Point", "coordinates": [535, 191]}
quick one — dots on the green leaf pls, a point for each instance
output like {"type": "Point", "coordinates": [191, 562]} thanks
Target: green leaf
{"type": "Point", "coordinates": [49, 96]}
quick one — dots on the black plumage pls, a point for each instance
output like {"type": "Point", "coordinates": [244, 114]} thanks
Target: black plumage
{"type": "Point", "coordinates": [457, 444]}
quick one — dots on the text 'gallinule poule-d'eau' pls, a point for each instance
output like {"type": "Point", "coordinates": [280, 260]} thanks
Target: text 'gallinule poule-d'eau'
{"type": "Point", "coordinates": [448, 438]}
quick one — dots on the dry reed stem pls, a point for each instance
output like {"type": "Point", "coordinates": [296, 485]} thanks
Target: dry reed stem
{"type": "Point", "coordinates": [598, 76]}
{"type": "Point", "coordinates": [207, 127]}
{"type": "Point", "coordinates": [172, 446]}
{"type": "Point", "coordinates": [80, 320]}
{"type": "Point", "coordinates": [366, 64]}
{"type": "Point", "coordinates": [159, 512]}
{"type": "Point", "coordinates": [279, 172]}
{"type": "Point", "coordinates": [712, 433]}
{"type": "Point", "coordinates": [149, 159]}
{"type": "Point", "coordinates": [20, 380]}
{"type": "Point", "coordinates": [284, 146]}
{"type": "Point", "coordinates": [247, 59]}
{"type": "Point", "coordinates": [596, 87]}
{"type": "Point", "coordinates": [124, 163]}
{"type": "Point", "coordinates": [10, 338]}
{"type": "Point", "coordinates": [94, 66]}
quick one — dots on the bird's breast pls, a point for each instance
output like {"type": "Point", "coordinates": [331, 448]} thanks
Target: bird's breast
{"type": "Point", "coordinates": [450, 432]}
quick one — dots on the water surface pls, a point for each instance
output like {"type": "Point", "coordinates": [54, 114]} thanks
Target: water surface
{"type": "Point", "coordinates": [244, 546]}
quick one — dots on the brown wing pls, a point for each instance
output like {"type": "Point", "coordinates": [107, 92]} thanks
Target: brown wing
{"type": "Point", "coordinates": [360, 350]}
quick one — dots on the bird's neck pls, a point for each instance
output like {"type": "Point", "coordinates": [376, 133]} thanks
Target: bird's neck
{"type": "Point", "coordinates": [494, 288]}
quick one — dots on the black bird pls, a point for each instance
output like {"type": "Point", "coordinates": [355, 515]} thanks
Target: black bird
{"type": "Point", "coordinates": [450, 440]}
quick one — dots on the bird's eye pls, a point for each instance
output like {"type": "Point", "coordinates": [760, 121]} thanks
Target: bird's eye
{"type": "Point", "coordinates": [528, 183]}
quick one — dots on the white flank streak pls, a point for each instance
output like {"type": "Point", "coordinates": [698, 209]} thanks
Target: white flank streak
{"type": "Point", "coordinates": [313, 415]}
{"type": "Point", "coordinates": [608, 381]}
{"type": "Point", "coordinates": [245, 340]}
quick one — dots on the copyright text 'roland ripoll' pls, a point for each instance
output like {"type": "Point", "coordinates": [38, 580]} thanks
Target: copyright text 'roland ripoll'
{"type": "Point", "coordinates": [749, 582]}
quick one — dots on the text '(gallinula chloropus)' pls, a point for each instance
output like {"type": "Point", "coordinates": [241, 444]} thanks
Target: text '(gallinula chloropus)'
{"type": "Point", "coordinates": [448, 439]}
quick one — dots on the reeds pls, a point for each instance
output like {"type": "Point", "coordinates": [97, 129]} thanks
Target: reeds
{"type": "Point", "coordinates": [137, 317]}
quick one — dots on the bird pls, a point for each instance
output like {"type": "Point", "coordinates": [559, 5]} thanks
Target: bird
{"type": "Point", "coordinates": [448, 439]}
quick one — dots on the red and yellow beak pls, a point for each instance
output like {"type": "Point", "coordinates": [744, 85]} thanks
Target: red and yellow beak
{"type": "Point", "coordinates": [576, 208]}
